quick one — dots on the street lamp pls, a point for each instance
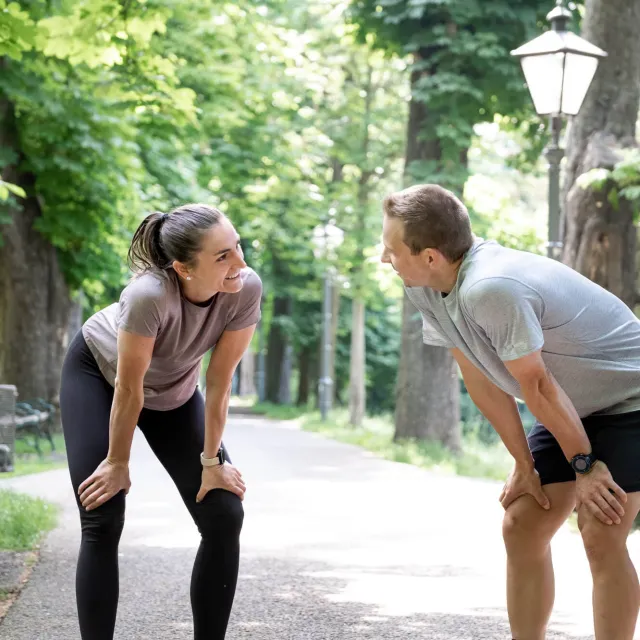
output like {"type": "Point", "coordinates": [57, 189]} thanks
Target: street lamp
{"type": "Point", "coordinates": [326, 239]}
{"type": "Point", "coordinates": [558, 67]}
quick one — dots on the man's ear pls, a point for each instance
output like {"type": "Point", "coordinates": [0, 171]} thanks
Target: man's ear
{"type": "Point", "coordinates": [433, 257]}
{"type": "Point", "coordinates": [428, 256]}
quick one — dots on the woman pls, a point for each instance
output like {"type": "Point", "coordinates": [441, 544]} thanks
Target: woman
{"type": "Point", "coordinates": [137, 362]}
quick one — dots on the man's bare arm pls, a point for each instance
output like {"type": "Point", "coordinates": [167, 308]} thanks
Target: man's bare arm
{"type": "Point", "coordinates": [498, 407]}
{"type": "Point", "coordinates": [549, 403]}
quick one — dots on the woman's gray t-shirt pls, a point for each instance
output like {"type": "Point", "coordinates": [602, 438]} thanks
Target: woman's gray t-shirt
{"type": "Point", "coordinates": [507, 304]}
{"type": "Point", "coordinates": [153, 305]}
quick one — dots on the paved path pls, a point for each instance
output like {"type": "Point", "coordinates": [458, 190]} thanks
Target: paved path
{"type": "Point", "coordinates": [337, 544]}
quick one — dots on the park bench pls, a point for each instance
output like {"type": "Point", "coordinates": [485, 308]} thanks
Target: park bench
{"type": "Point", "coordinates": [35, 418]}
{"type": "Point", "coordinates": [19, 420]}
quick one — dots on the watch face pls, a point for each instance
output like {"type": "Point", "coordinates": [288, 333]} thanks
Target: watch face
{"type": "Point", "coordinates": [580, 464]}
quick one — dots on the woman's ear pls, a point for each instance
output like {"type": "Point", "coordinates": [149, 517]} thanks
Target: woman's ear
{"type": "Point", "coordinates": [181, 269]}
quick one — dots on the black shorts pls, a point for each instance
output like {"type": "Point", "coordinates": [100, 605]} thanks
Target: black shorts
{"type": "Point", "coordinates": [615, 440]}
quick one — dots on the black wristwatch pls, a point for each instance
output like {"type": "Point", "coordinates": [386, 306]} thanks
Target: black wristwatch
{"type": "Point", "coordinates": [583, 463]}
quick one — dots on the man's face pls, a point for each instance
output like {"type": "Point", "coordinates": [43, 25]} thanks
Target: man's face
{"type": "Point", "coordinates": [413, 269]}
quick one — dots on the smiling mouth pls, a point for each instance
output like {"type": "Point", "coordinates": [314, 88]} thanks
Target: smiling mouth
{"type": "Point", "coordinates": [234, 277]}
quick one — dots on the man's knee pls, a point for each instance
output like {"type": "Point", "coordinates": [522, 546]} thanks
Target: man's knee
{"type": "Point", "coordinates": [526, 528]}
{"type": "Point", "coordinates": [104, 524]}
{"type": "Point", "coordinates": [601, 541]}
{"type": "Point", "coordinates": [220, 514]}
{"type": "Point", "coordinates": [517, 533]}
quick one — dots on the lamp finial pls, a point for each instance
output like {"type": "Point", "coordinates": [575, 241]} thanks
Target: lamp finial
{"type": "Point", "coordinates": [559, 17]}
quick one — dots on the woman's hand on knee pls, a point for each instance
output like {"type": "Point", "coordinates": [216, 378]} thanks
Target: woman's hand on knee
{"type": "Point", "coordinates": [225, 476]}
{"type": "Point", "coordinates": [105, 482]}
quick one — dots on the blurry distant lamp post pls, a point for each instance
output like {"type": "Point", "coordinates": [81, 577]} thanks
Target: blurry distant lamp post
{"type": "Point", "coordinates": [326, 239]}
{"type": "Point", "coordinates": [558, 67]}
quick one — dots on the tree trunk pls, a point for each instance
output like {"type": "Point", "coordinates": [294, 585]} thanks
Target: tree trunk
{"type": "Point", "coordinates": [314, 375]}
{"type": "Point", "coordinates": [357, 398]}
{"type": "Point", "coordinates": [247, 385]}
{"type": "Point", "coordinates": [34, 298]}
{"type": "Point", "coordinates": [427, 392]}
{"type": "Point", "coordinates": [284, 395]}
{"type": "Point", "coordinates": [337, 175]}
{"type": "Point", "coordinates": [260, 376]}
{"type": "Point", "coordinates": [335, 317]}
{"type": "Point", "coordinates": [637, 308]}
{"type": "Point", "coordinates": [304, 365]}
{"type": "Point", "coordinates": [357, 364]}
{"type": "Point", "coordinates": [75, 316]}
{"type": "Point", "coordinates": [428, 397]}
{"type": "Point", "coordinates": [600, 240]}
{"type": "Point", "coordinates": [276, 346]}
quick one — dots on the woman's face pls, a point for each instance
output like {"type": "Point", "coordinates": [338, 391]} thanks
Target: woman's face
{"type": "Point", "coordinates": [219, 261]}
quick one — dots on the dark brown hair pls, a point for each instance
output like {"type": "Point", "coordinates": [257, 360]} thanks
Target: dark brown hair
{"type": "Point", "coordinates": [433, 218]}
{"type": "Point", "coordinates": [162, 238]}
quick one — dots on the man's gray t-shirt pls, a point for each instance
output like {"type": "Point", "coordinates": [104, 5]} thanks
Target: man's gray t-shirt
{"type": "Point", "coordinates": [507, 304]}
{"type": "Point", "coordinates": [153, 305]}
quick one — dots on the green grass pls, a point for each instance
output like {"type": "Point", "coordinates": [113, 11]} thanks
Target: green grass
{"type": "Point", "coordinates": [24, 520]}
{"type": "Point", "coordinates": [279, 411]}
{"type": "Point", "coordinates": [24, 468]}
{"type": "Point", "coordinates": [27, 461]}
{"type": "Point", "coordinates": [25, 447]}
{"type": "Point", "coordinates": [476, 459]}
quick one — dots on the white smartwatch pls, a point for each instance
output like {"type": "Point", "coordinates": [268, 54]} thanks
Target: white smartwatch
{"type": "Point", "coordinates": [216, 461]}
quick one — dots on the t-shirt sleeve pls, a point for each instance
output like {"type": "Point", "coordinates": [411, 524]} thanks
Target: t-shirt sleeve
{"type": "Point", "coordinates": [247, 311]}
{"type": "Point", "coordinates": [432, 332]}
{"type": "Point", "coordinates": [510, 313]}
{"type": "Point", "coordinates": [141, 304]}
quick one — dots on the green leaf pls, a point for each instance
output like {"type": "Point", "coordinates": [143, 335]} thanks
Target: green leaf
{"type": "Point", "coordinates": [7, 188]}
{"type": "Point", "coordinates": [631, 193]}
{"type": "Point", "coordinates": [594, 179]}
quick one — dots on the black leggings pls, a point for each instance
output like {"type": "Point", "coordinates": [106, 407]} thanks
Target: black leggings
{"type": "Point", "coordinates": [177, 438]}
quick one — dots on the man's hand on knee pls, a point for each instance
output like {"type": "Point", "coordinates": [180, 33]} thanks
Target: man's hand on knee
{"type": "Point", "coordinates": [600, 495]}
{"type": "Point", "coordinates": [522, 480]}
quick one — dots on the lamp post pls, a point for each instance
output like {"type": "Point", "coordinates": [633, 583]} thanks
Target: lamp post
{"type": "Point", "coordinates": [558, 67]}
{"type": "Point", "coordinates": [326, 238]}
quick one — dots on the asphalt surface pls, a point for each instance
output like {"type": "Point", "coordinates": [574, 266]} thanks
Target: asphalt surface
{"type": "Point", "coordinates": [337, 544]}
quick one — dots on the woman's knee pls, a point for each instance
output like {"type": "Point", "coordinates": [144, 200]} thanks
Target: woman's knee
{"type": "Point", "coordinates": [220, 514]}
{"type": "Point", "coordinates": [105, 523]}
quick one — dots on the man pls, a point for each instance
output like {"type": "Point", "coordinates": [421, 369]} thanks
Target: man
{"type": "Point", "coordinates": [522, 325]}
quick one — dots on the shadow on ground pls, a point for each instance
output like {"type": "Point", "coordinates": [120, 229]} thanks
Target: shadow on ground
{"type": "Point", "coordinates": [283, 600]}
{"type": "Point", "coordinates": [277, 599]}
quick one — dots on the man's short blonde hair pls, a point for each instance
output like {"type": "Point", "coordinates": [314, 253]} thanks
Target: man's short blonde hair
{"type": "Point", "coordinates": [433, 218]}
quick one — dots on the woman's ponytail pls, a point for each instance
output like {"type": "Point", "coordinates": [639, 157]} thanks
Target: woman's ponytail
{"type": "Point", "coordinates": [146, 252]}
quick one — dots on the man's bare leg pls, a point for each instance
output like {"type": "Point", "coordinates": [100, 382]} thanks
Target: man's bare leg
{"type": "Point", "coordinates": [616, 594]}
{"type": "Point", "coordinates": [527, 531]}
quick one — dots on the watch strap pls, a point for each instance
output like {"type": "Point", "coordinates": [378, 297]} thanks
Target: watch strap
{"type": "Point", "coordinates": [216, 461]}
